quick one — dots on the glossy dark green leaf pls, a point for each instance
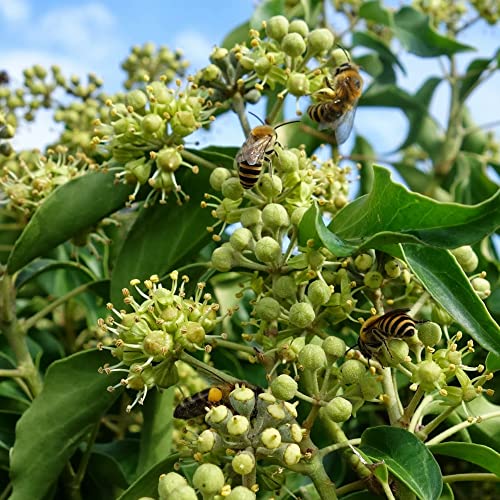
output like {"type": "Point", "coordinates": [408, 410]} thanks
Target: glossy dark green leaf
{"type": "Point", "coordinates": [125, 452]}
{"type": "Point", "coordinates": [492, 362]}
{"type": "Point", "coordinates": [371, 64]}
{"type": "Point", "coordinates": [373, 42]}
{"type": "Point", "coordinates": [406, 457]}
{"type": "Point", "coordinates": [105, 470]}
{"type": "Point", "coordinates": [374, 11]}
{"type": "Point", "coordinates": [70, 209]}
{"type": "Point", "coordinates": [238, 35]}
{"type": "Point", "coordinates": [445, 280]}
{"type": "Point", "coordinates": [388, 95]}
{"type": "Point", "coordinates": [265, 10]}
{"type": "Point", "coordinates": [414, 31]}
{"type": "Point", "coordinates": [477, 454]}
{"type": "Point", "coordinates": [391, 208]}
{"type": "Point", "coordinates": [446, 493]}
{"type": "Point", "coordinates": [472, 77]}
{"type": "Point", "coordinates": [163, 236]}
{"type": "Point", "coordinates": [73, 399]}
{"type": "Point", "coordinates": [147, 484]}
{"type": "Point", "coordinates": [416, 179]}
{"type": "Point", "coordinates": [364, 154]}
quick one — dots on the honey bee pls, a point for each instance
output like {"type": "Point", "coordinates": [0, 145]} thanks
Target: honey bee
{"type": "Point", "coordinates": [337, 101]}
{"type": "Point", "coordinates": [258, 148]}
{"type": "Point", "coordinates": [218, 394]}
{"type": "Point", "coordinates": [377, 330]}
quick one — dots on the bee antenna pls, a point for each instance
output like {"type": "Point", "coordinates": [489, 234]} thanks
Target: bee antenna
{"type": "Point", "coordinates": [258, 118]}
{"type": "Point", "coordinates": [345, 51]}
{"type": "Point", "coordinates": [287, 122]}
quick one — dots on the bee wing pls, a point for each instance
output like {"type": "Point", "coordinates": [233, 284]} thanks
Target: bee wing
{"type": "Point", "coordinates": [343, 126]}
{"type": "Point", "coordinates": [254, 149]}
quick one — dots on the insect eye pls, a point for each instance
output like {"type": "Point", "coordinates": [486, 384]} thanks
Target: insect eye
{"type": "Point", "coordinates": [357, 83]}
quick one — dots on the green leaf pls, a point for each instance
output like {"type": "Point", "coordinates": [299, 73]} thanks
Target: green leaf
{"type": "Point", "coordinates": [472, 77]}
{"type": "Point", "coordinates": [238, 35]}
{"type": "Point", "coordinates": [147, 484]}
{"type": "Point", "coordinates": [124, 452]}
{"type": "Point", "coordinates": [364, 154]}
{"type": "Point", "coordinates": [73, 399]}
{"type": "Point", "coordinates": [446, 493]}
{"type": "Point", "coordinates": [70, 209]}
{"type": "Point", "coordinates": [406, 457]}
{"type": "Point", "coordinates": [389, 96]}
{"type": "Point", "coordinates": [374, 11]}
{"type": "Point", "coordinates": [390, 212]}
{"type": "Point", "coordinates": [265, 10]}
{"type": "Point", "coordinates": [477, 454]}
{"type": "Point", "coordinates": [492, 362]}
{"type": "Point", "coordinates": [163, 236]}
{"type": "Point", "coordinates": [416, 34]}
{"type": "Point", "coordinates": [371, 41]}
{"type": "Point", "coordinates": [445, 280]}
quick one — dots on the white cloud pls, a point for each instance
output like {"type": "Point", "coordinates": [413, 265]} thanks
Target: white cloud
{"type": "Point", "coordinates": [14, 10]}
{"type": "Point", "coordinates": [196, 47]}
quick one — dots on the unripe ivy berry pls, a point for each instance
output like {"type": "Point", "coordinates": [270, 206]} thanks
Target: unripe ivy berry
{"type": "Point", "coordinates": [333, 347]}
{"type": "Point", "coordinates": [482, 287]}
{"type": "Point", "coordinates": [393, 268]}
{"type": "Point", "coordinates": [373, 279]}
{"type": "Point", "coordinates": [427, 374]}
{"type": "Point", "coordinates": [241, 493]}
{"type": "Point", "coordinates": [271, 438]}
{"type": "Point", "coordinates": [286, 161]}
{"type": "Point", "coordinates": [312, 357]}
{"type": "Point", "coordinates": [241, 239]}
{"type": "Point", "coordinates": [284, 387]}
{"type": "Point", "coordinates": [298, 84]}
{"type": "Point", "coordinates": [363, 262]}
{"type": "Point", "coordinates": [268, 250]}
{"type": "Point", "coordinates": [232, 189]}
{"type": "Point", "coordinates": [299, 26]}
{"type": "Point", "coordinates": [352, 371]}
{"type": "Point", "coordinates": [301, 314]}
{"type": "Point", "coordinates": [277, 27]}
{"type": "Point", "coordinates": [270, 186]}
{"type": "Point", "coordinates": [320, 40]}
{"type": "Point", "coordinates": [466, 258]}
{"type": "Point", "coordinates": [168, 159]}
{"type": "Point", "coordinates": [218, 176]}
{"type": "Point", "coordinates": [238, 425]}
{"type": "Point", "coordinates": [137, 99]}
{"type": "Point", "coordinates": [297, 215]}
{"type": "Point", "coordinates": [429, 333]}
{"type": "Point", "coordinates": [339, 409]}
{"type": "Point", "coordinates": [243, 463]}
{"type": "Point", "coordinates": [293, 45]}
{"type": "Point", "coordinates": [209, 479]}
{"type": "Point", "coordinates": [152, 123]}
{"type": "Point", "coordinates": [222, 259]}
{"type": "Point", "coordinates": [268, 309]}
{"type": "Point", "coordinates": [184, 493]}
{"type": "Point", "coordinates": [285, 288]}
{"type": "Point", "coordinates": [275, 216]}
{"type": "Point", "coordinates": [319, 293]}
{"type": "Point", "coordinates": [251, 217]}
{"type": "Point", "coordinates": [292, 454]}
{"type": "Point", "coordinates": [169, 483]}
{"type": "Point", "coordinates": [206, 441]}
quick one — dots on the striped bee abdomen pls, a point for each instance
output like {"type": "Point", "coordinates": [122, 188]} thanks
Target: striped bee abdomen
{"type": "Point", "coordinates": [249, 174]}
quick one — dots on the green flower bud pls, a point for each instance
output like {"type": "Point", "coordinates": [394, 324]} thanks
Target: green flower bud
{"type": "Point", "coordinates": [270, 186]}
{"type": "Point", "coordinates": [241, 239]}
{"type": "Point", "coordinates": [393, 268]}
{"type": "Point", "coordinates": [158, 343]}
{"type": "Point", "coordinates": [298, 84]}
{"type": "Point", "coordinates": [333, 347]}
{"type": "Point", "coordinates": [439, 315]}
{"type": "Point", "coordinates": [352, 370]}
{"type": "Point", "coordinates": [482, 287]}
{"type": "Point", "coordinates": [293, 45]}
{"type": "Point", "coordinates": [291, 432]}
{"type": "Point", "coordinates": [243, 463]}
{"type": "Point", "coordinates": [184, 493]}
{"type": "Point", "coordinates": [268, 309]}
{"type": "Point", "coordinates": [454, 357]}
{"type": "Point", "coordinates": [238, 425]}
{"type": "Point", "coordinates": [339, 409]}
{"type": "Point", "coordinates": [373, 279]}
{"type": "Point", "coordinates": [319, 293]}
{"type": "Point", "coordinates": [168, 159]}
{"type": "Point", "coordinates": [184, 123]}
{"type": "Point", "coordinates": [217, 415]}
{"type": "Point", "coordinates": [206, 440]}
{"type": "Point", "coordinates": [398, 351]}
{"type": "Point", "coordinates": [268, 250]}
{"type": "Point", "coordinates": [152, 124]}
{"type": "Point", "coordinates": [209, 479]}
{"type": "Point", "coordinates": [251, 217]}
{"type": "Point", "coordinates": [297, 215]}
{"type": "Point", "coordinates": [211, 72]}
{"type": "Point", "coordinates": [285, 288]}
{"type": "Point", "coordinates": [320, 40]}
{"type": "Point", "coordinates": [428, 374]}
{"type": "Point", "coordinates": [292, 454]}
{"type": "Point", "coordinates": [241, 493]}
{"type": "Point", "coordinates": [466, 258]}
{"type": "Point", "coordinates": [277, 27]}
{"type": "Point", "coordinates": [218, 176]}
{"type": "Point", "coordinates": [194, 332]}
{"type": "Point", "coordinates": [262, 65]}
{"type": "Point", "coordinates": [243, 401]}
{"type": "Point", "coordinates": [222, 259]}
{"type": "Point", "coordinates": [7, 131]}
{"type": "Point", "coordinates": [275, 216]}
{"type": "Point", "coordinates": [429, 333]}
{"type": "Point", "coordinates": [315, 259]}
{"type": "Point", "coordinates": [218, 53]}
{"type": "Point", "coordinates": [160, 92]}
{"type": "Point", "coordinates": [299, 26]}
{"type": "Point", "coordinates": [247, 63]}
{"type": "Point", "coordinates": [312, 357]}
{"type": "Point", "coordinates": [253, 96]}
{"type": "Point", "coordinates": [137, 99]}
{"type": "Point", "coordinates": [284, 387]}
{"type": "Point", "coordinates": [232, 188]}
{"type": "Point", "coordinates": [339, 57]}
{"type": "Point", "coordinates": [276, 412]}
{"type": "Point", "coordinates": [469, 393]}
{"type": "Point", "coordinates": [286, 161]}
{"type": "Point", "coordinates": [169, 483]}
{"type": "Point", "coordinates": [301, 314]}
{"type": "Point", "coordinates": [271, 438]}
{"type": "Point", "coordinates": [370, 387]}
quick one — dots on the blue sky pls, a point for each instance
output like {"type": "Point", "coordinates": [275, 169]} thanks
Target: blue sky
{"type": "Point", "coordinates": [95, 36]}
